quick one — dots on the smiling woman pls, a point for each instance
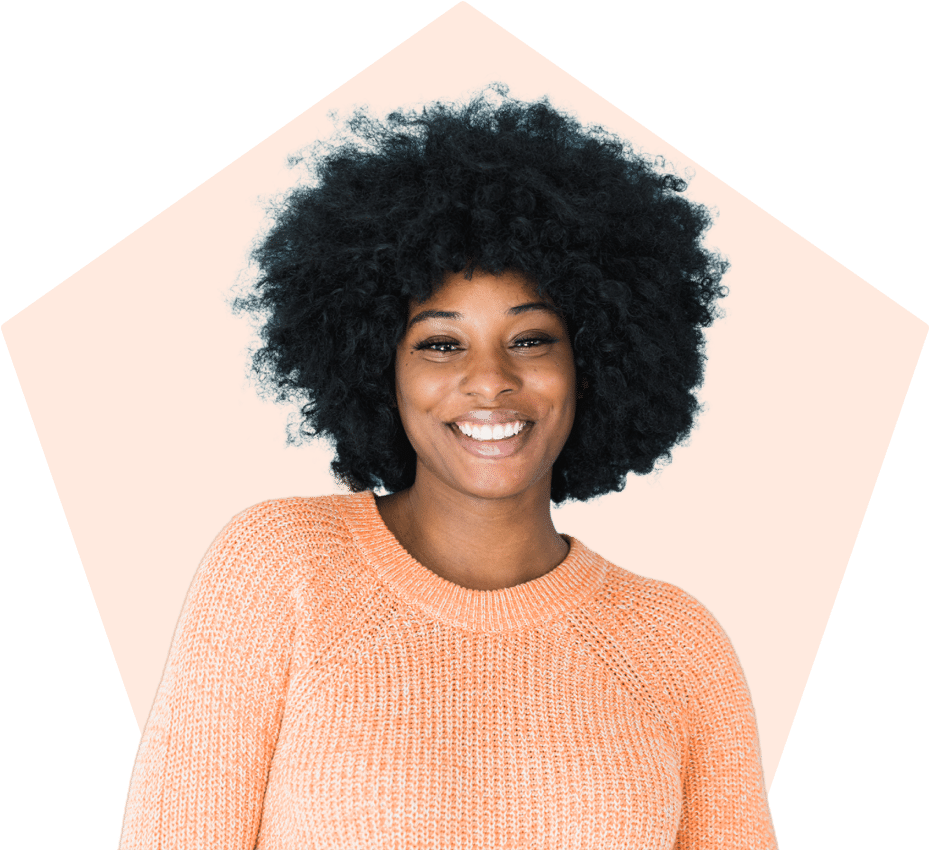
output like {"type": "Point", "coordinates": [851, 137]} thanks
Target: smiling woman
{"type": "Point", "coordinates": [486, 309]}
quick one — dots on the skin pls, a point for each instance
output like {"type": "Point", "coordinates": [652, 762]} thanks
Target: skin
{"type": "Point", "coordinates": [482, 523]}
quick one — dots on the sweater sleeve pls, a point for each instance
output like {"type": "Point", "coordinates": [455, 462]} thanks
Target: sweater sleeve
{"type": "Point", "coordinates": [724, 800]}
{"type": "Point", "coordinates": [202, 766]}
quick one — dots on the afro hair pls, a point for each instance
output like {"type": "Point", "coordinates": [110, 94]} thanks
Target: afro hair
{"type": "Point", "coordinates": [495, 184]}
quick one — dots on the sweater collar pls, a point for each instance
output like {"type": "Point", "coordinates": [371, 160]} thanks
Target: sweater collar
{"type": "Point", "coordinates": [529, 604]}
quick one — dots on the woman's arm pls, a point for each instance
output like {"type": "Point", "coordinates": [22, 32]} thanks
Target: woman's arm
{"type": "Point", "coordinates": [202, 766]}
{"type": "Point", "coordinates": [724, 801]}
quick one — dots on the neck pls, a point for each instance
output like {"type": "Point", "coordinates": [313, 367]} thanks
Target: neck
{"type": "Point", "coordinates": [482, 544]}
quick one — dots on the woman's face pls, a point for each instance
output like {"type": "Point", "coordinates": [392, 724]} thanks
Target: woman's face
{"type": "Point", "coordinates": [490, 357]}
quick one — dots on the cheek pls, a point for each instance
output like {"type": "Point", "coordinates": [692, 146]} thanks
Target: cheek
{"type": "Point", "coordinates": [563, 395]}
{"type": "Point", "coordinates": [558, 384]}
{"type": "Point", "coordinates": [418, 394]}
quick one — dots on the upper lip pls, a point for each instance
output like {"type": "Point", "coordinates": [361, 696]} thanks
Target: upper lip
{"type": "Point", "coordinates": [493, 416]}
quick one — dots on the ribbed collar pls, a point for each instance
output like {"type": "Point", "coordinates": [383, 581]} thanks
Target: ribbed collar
{"type": "Point", "coordinates": [528, 604]}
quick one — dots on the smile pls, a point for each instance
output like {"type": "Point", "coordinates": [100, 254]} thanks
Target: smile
{"type": "Point", "coordinates": [485, 433]}
{"type": "Point", "coordinates": [501, 441]}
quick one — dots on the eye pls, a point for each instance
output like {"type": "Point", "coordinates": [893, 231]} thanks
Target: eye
{"type": "Point", "coordinates": [534, 341]}
{"type": "Point", "coordinates": [450, 346]}
{"type": "Point", "coordinates": [443, 346]}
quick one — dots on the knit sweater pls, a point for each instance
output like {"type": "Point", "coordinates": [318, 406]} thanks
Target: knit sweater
{"type": "Point", "coordinates": [325, 691]}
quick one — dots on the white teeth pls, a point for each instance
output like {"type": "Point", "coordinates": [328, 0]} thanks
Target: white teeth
{"type": "Point", "coordinates": [488, 432]}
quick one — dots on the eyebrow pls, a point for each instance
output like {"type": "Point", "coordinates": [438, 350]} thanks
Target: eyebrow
{"type": "Point", "coordinates": [449, 314]}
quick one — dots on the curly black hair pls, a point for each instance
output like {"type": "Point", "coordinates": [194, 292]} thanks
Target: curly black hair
{"type": "Point", "coordinates": [493, 184]}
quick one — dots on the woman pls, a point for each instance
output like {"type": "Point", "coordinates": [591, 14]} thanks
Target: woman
{"type": "Point", "coordinates": [486, 309]}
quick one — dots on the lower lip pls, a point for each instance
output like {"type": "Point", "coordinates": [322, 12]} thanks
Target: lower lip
{"type": "Point", "coordinates": [492, 449]}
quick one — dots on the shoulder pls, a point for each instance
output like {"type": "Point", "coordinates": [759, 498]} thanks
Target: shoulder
{"type": "Point", "coordinates": [297, 521]}
{"type": "Point", "coordinates": [670, 625]}
{"type": "Point", "coordinates": [660, 605]}
{"type": "Point", "coordinates": [279, 516]}
{"type": "Point", "coordinates": [273, 545]}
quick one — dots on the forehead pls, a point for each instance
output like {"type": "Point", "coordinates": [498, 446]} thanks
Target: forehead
{"type": "Point", "coordinates": [512, 293]}
{"type": "Point", "coordinates": [509, 285]}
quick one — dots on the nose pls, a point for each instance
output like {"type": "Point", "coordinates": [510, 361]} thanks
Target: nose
{"type": "Point", "coordinates": [488, 372]}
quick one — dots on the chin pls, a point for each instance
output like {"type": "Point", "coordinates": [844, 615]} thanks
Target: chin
{"type": "Point", "coordinates": [496, 486]}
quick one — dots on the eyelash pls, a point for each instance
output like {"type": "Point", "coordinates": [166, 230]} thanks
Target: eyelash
{"type": "Point", "coordinates": [428, 343]}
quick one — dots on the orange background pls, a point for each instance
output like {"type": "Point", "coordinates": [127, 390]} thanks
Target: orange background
{"type": "Point", "coordinates": [135, 376]}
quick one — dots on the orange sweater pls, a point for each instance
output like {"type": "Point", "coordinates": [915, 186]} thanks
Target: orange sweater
{"type": "Point", "coordinates": [325, 691]}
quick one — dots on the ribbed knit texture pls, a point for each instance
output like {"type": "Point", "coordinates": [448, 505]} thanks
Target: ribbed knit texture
{"type": "Point", "coordinates": [325, 691]}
